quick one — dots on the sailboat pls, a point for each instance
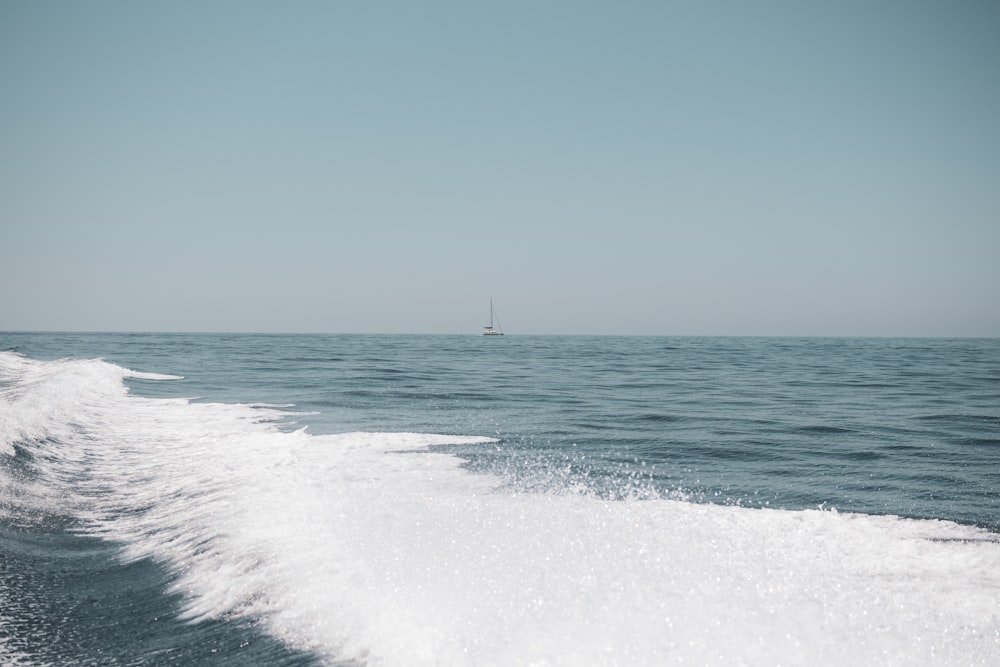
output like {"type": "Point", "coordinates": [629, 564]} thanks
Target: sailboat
{"type": "Point", "coordinates": [488, 330]}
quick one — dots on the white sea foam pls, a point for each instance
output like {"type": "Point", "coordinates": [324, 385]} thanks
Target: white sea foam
{"type": "Point", "coordinates": [370, 547]}
{"type": "Point", "coordinates": [139, 375]}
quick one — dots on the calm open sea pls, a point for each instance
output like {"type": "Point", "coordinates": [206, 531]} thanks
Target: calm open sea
{"type": "Point", "coordinates": [521, 500]}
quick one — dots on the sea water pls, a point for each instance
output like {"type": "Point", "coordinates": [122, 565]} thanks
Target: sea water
{"type": "Point", "coordinates": [460, 500]}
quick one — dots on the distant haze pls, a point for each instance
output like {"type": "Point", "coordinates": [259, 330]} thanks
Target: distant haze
{"type": "Point", "coordinates": [764, 168]}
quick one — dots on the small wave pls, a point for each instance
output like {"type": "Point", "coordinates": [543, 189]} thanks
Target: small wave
{"type": "Point", "coordinates": [960, 418]}
{"type": "Point", "coordinates": [992, 539]}
{"type": "Point", "coordinates": [657, 418]}
{"type": "Point", "coordinates": [139, 375]}
{"type": "Point", "coordinates": [823, 429]}
{"type": "Point", "coordinates": [865, 455]}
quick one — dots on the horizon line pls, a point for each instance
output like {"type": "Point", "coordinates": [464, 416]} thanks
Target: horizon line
{"type": "Point", "coordinates": [179, 332]}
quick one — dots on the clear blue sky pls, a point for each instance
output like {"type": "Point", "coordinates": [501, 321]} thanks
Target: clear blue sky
{"type": "Point", "coordinates": [760, 168]}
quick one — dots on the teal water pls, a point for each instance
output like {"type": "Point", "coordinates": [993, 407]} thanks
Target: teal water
{"type": "Point", "coordinates": [904, 428]}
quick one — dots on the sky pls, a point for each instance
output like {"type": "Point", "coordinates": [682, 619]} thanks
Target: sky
{"type": "Point", "coordinates": [652, 168]}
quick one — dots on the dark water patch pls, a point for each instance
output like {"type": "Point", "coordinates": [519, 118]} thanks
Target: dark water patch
{"type": "Point", "coordinates": [904, 448]}
{"type": "Point", "coordinates": [318, 358]}
{"type": "Point", "coordinates": [70, 600]}
{"type": "Point", "coordinates": [823, 429]}
{"type": "Point", "coordinates": [866, 384]}
{"type": "Point", "coordinates": [980, 442]}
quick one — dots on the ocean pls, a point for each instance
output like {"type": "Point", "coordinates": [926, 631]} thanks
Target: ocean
{"type": "Point", "coordinates": [408, 500]}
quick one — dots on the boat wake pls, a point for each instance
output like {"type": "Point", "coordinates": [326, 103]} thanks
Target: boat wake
{"type": "Point", "coordinates": [381, 549]}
